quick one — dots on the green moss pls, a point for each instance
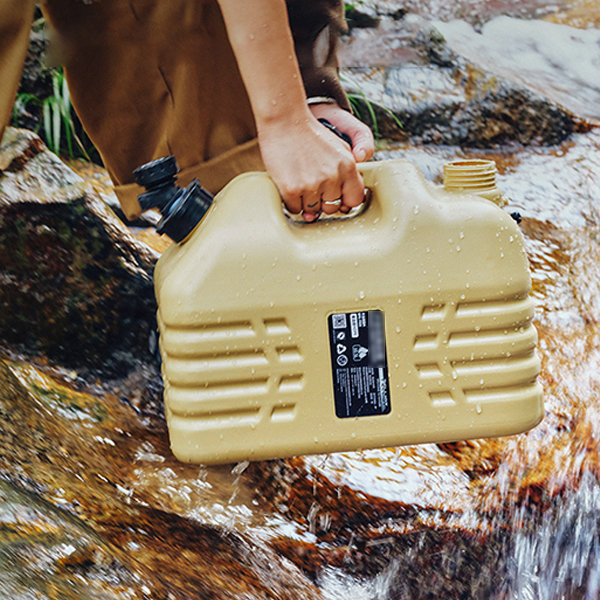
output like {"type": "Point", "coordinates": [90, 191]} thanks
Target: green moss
{"type": "Point", "coordinates": [71, 404]}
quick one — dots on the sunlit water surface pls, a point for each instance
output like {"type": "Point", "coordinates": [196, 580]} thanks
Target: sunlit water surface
{"type": "Point", "coordinates": [538, 493]}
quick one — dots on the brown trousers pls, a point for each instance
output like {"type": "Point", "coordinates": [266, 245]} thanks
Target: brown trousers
{"type": "Point", "coordinates": [150, 78]}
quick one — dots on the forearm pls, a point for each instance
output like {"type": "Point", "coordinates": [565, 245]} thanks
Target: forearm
{"type": "Point", "coordinates": [262, 42]}
{"type": "Point", "coordinates": [311, 167]}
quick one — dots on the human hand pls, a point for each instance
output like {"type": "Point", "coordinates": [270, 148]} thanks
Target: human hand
{"type": "Point", "coordinates": [310, 165]}
{"type": "Point", "coordinates": [363, 144]}
{"type": "Point", "coordinates": [314, 170]}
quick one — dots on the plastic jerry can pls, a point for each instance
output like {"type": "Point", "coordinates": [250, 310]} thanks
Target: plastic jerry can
{"type": "Point", "coordinates": [408, 323]}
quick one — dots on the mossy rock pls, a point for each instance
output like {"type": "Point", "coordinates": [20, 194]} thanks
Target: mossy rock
{"type": "Point", "coordinates": [76, 286]}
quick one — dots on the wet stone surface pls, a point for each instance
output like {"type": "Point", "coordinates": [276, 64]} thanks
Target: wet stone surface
{"type": "Point", "coordinates": [75, 283]}
{"type": "Point", "coordinates": [507, 82]}
{"type": "Point", "coordinates": [94, 505]}
{"type": "Point", "coordinates": [483, 518]}
{"type": "Point", "coordinates": [477, 519]}
{"type": "Point", "coordinates": [477, 12]}
{"type": "Point", "coordinates": [76, 460]}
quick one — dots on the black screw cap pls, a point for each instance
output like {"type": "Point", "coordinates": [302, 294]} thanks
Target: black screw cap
{"type": "Point", "coordinates": [156, 172]}
{"type": "Point", "coordinates": [181, 208]}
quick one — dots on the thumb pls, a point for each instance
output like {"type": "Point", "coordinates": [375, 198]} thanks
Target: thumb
{"type": "Point", "coordinates": [362, 143]}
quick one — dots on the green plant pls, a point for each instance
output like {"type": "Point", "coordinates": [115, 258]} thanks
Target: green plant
{"type": "Point", "coordinates": [350, 6]}
{"type": "Point", "coordinates": [366, 109]}
{"type": "Point", "coordinates": [57, 122]}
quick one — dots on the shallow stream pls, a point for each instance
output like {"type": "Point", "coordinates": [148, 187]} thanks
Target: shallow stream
{"type": "Point", "coordinates": [93, 504]}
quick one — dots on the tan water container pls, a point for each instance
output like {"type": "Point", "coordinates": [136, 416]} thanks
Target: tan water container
{"type": "Point", "coordinates": [408, 323]}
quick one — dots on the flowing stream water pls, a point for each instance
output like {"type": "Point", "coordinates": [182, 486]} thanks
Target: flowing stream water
{"type": "Point", "coordinates": [95, 506]}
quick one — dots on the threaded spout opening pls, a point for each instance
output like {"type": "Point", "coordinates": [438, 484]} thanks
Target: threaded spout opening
{"type": "Point", "coordinates": [473, 176]}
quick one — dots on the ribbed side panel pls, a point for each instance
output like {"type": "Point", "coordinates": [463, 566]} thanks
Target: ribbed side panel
{"type": "Point", "coordinates": [223, 374]}
{"type": "Point", "coordinates": [487, 352]}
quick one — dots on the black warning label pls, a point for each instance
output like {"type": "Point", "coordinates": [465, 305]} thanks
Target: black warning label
{"type": "Point", "coordinates": [359, 364]}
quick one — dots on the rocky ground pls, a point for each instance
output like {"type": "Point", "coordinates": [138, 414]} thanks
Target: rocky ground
{"type": "Point", "coordinates": [95, 506]}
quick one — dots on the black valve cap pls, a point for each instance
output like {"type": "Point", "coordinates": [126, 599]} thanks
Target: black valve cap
{"type": "Point", "coordinates": [516, 216]}
{"type": "Point", "coordinates": [156, 172]}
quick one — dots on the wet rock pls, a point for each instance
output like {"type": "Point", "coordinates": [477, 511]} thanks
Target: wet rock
{"type": "Point", "coordinates": [359, 510]}
{"type": "Point", "coordinates": [480, 519]}
{"type": "Point", "coordinates": [35, 78]}
{"type": "Point", "coordinates": [371, 11]}
{"type": "Point", "coordinates": [53, 555]}
{"type": "Point", "coordinates": [419, 88]}
{"type": "Point", "coordinates": [77, 470]}
{"type": "Point", "coordinates": [549, 58]}
{"type": "Point", "coordinates": [582, 14]}
{"type": "Point", "coordinates": [76, 285]}
{"type": "Point", "coordinates": [477, 12]}
{"type": "Point", "coordinates": [361, 14]}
